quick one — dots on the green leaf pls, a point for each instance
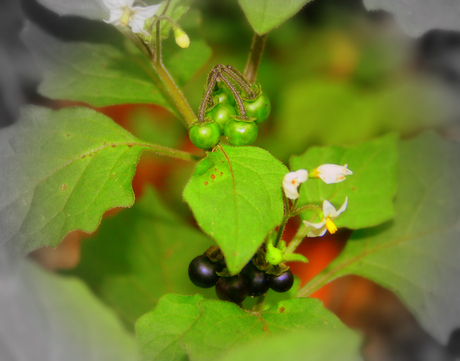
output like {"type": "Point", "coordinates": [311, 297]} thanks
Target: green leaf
{"type": "Point", "coordinates": [417, 17]}
{"type": "Point", "coordinates": [370, 189]}
{"type": "Point", "coordinates": [56, 318]}
{"type": "Point", "coordinates": [68, 168]}
{"type": "Point", "coordinates": [235, 195]}
{"type": "Point", "coordinates": [206, 329]}
{"type": "Point", "coordinates": [405, 105]}
{"type": "Point", "coordinates": [317, 345]}
{"type": "Point", "coordinates": [139, 255]}
{"type": "Point", "coordinates": [416, 254]}
{"type": "Point", "coordinates": [264, 15]}
{"type": "Point", "coordinates": [103, 74]}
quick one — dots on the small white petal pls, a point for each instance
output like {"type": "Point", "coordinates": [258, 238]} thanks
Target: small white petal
{"type": "Point", "coordinates": [317, 232]}
{"type": "Point", "coordinates": [290, 191]}
{"type": "Point", "coordinates": [328, 209]}
{"type": "Point", "coordinates": [332, 173]}
{"type": "Point", "coordinates": [317, 225]}
{"type": "Point", "coordinates": [291, 182]}
{"type": "Point", "coordinates": [343, 207]}
{"type": "Point", "coordinates": [146, 12]}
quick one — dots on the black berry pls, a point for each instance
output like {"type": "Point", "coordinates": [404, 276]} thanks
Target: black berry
{"type": "Point", "coordinates": [283, 282]}
{"type": "Point", "coordinates": [233, 289]}
{"type": "Point", "coordinates": [202, 271]}
{"type": "Point", "coordinates": [257, 280]}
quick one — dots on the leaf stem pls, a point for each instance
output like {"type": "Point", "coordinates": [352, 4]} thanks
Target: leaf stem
{"type": "Point", "coordinates": [171, 152]}
{"type": "Point", "coordinates": [252, 65]}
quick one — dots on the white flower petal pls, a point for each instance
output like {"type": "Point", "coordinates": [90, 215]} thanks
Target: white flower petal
{"type": "Point", "coordinates": [332, 173]}
{"type": "Point", "coordinates": [328, 209]}
{"type": "Point", "coordinates": [291, 182]}
{"type": "Point", "coordinates": [146, 12]}
{"type": "Point", "coordinates": [343, 207]}
{"type": "Point", "coordinates": [137, 15]}
{"type": "Point", "coordinates": [317, 225]}
{"type": "Point", "coordinates": [290, 191]}
{"type": "Point", "coordinates": [317, 232]}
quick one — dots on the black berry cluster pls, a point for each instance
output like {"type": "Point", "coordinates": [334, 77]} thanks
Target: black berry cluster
{"type": "Point", "coordinates": [251, 281]}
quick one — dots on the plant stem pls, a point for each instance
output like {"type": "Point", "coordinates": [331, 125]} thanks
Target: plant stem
{"type": "Point", "coordinates": [285, 219]}
{"type": "Point", "coordinates": [173, 92]}
{"type": "Point", "coordinates": [169, 152]}
{"type": "Point", "coordinates": [259, 306]}
{"type": "Point", "coordinates": [297, 239]}
{"type": "Point", "coordinates": [252, 65]}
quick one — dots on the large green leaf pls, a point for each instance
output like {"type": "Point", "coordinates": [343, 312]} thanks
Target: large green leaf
{"type": "Point", "coordinates": [417, 17]}
{"type": "Point", "coordinates": [264, 15]}
{"type": "Point", "coordinates": [103, 74]}
{"type": "Point", "coordinates": [205, 329]}
{"type": "Point", "coordinates": [139, 255]}
{"type": "Point", "coordinates": [235, 195]}
{"type": "Point", "coordinates": [67, 168]}
{"type": "Point", "coordinates": [416, 254]}
{"type": "Point", "coordinates": [316, 345]}
{"type": "Point", "coordinates": [370, 190]}
{"type": "Point", "coordinates": [46, 317]}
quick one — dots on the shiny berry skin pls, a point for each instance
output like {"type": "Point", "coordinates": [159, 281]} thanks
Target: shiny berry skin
{"type": "Point", "coordinates": [204, 136]}
{"type": "Point", "coordinates": [223, 96]}
{"type": "Point", "coordinates": [283, 282]}
{"type": "Point", "coordinates": [233, 289]}
{"type": "Point", "coordinates": [258, 108]}
{"type": "Point", "coordinates": [202, 271]}
{"type": "Point", "coordinates": [257, 280]}
{"type": "Point", "coordinates": [240, 132]}
{"type": "Point", "coordinates": [221, 114]}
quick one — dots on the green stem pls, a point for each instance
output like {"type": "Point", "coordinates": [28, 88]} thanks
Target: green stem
{"type": "Point", "coordinates": [173, 92]}
{"type": "Point", "coordinates": [285, 220]}
{"type": "Point", "coordinates": [312, 207]}
{"type": "Point", "coordinates": [298, 238]}
{"type": "Point", "coordinates": [259, 306]}
{"type": "Point", "coordinates": [252, 65]}
{"type": "Point", "coordinates": [170, 152]}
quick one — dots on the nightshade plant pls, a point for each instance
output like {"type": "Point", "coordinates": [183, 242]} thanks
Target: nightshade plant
{"type": "Point", "coordinates": [62, 169]}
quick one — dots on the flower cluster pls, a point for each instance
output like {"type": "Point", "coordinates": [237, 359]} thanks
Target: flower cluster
{"type": "Point", "coordinates": [329, 174]}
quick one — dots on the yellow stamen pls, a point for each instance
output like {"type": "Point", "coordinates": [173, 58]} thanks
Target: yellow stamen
{"type": "Point", "coordinates": [124, 20]}
{"type": "Point", "coordinates": [331, 227]}
{"type": "Point", "coordinates": [315, 173]}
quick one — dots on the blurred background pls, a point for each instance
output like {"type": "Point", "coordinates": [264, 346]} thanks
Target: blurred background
{"type": "Point", "coordinates": [336, 74]}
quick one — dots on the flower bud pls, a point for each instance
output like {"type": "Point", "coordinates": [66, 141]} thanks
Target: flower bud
{"type": "Point", "coordinates": [182, 38]}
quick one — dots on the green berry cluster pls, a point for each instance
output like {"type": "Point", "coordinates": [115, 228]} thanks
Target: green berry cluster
{"type": "Point", "coordinates": [230, 112]}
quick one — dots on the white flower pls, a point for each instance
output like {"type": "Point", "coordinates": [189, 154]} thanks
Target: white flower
{"type": "Point", "coordinates": [331, 173]}
{"type": "Point", "coordinates": [122, 12]}
{"type": "Point", "coordinates": [291, 182]}
{"type": "Point", "coordinates": [326, 224]}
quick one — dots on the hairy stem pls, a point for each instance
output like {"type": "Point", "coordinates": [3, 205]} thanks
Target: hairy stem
{"type": "Point", "coordinates": [252, 65]}
{"type": "Point", "coordinates": [173, 92]}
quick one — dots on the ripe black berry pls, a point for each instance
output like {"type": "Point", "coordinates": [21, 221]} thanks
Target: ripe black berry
{"type": "Point", "coordinates": [257, 280]}
{"type": "Point", "coordinates": [202, 271]}
{"type": "Point", "coordinates": [233, 289]}
{"type": "Point", "coordinates": [283, 282]}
